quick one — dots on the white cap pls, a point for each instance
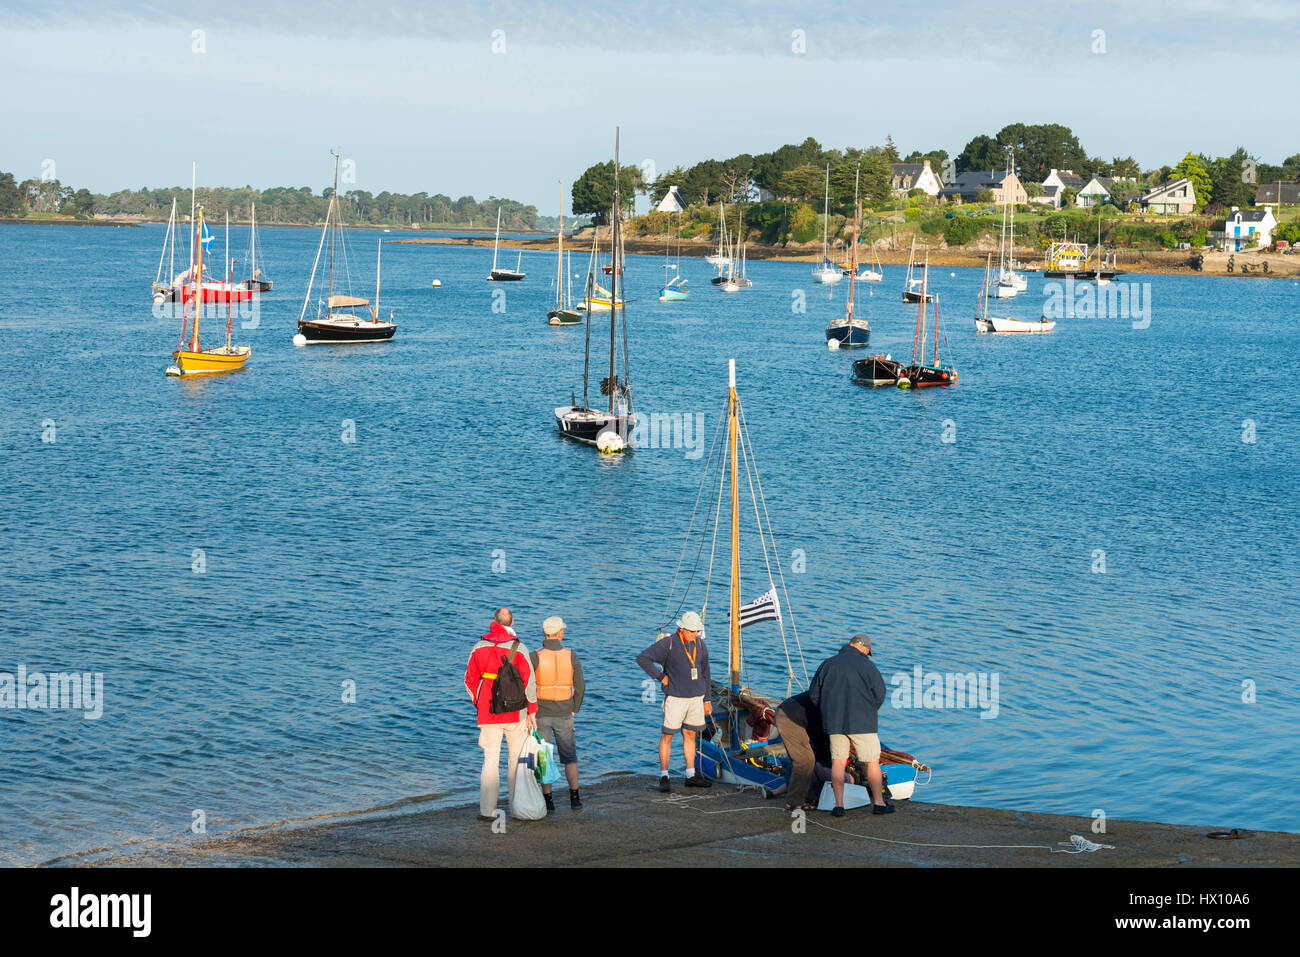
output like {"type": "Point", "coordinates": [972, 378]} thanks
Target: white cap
{"type": "Point", "coordinates": [553, 625]}
{"type": "Point", "coordinates": [690, 622]}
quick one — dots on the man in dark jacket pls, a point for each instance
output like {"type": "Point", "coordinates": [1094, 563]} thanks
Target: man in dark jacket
{"type": "Point", "coordinates": [848, 690]}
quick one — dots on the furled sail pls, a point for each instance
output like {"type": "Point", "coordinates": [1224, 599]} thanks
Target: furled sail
{"type": "Point", "coordinates": [338, 302]}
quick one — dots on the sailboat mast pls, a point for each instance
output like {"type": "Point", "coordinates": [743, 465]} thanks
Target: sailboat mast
{"type": "Point", "coordinates": [252, 239]}
{"type": "Point", "coordinates": [614, 259]}
{"type": "Point", "coordinates": [735, 527]}
{"type": "Point", "coordinates": [559, 260]}
{"type": "Point", "coordinates": [227, 242]}
{"type": "Point", "coordinates": [496, 242]}
{"type": "Point", "coordinates": [853, 275]}
{"type": "Point", "coordinates": [198, 282]}
{"type": "Point", "coordinates": [826, 212]}
{"type": "Point", "coordinates": [330, 211]}
{"type": "Point", "coordinates": [378, 258]}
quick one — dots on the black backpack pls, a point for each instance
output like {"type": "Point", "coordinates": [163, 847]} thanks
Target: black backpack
{"type": "Point", "coordinates": [508, 690]}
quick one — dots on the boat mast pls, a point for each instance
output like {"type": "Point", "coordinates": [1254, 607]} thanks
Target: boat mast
{"type": "Point", "coordinates": [329, 212]}
{"type": "Point", "coordinates": [198, 284]}
{"type": "Point", "coordinates": [613, 299]}
{"type": "Point", "coordinates": [252, 240]}
{"type": "Point", "coordinates": [735, 529]}
{"type": "Point", "coordinates": [378, 257]}
{"type": "Point", "coordinates": [496, 242]}
{"type": "Point", "coordinates": [559, 262]}
{"type": "Point", "coordinates": [826, 213]}
{"type": "Point", "coordinates": [853, 261]}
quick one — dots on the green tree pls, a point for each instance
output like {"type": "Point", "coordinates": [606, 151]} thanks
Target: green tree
{"type": "Point", "coordinates": [1193, 168]}
{"type": "Point", "coordinates": [1232, 179]}
{"type": "Point", "coordinates": [981, 153]}
{"type": "Point", "coordinates": [593, 191]}
{"type": "Point", "coordinates": [11, 203]}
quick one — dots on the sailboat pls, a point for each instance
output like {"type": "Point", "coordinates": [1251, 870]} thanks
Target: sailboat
{"type": "Point", "coordinates": [826, 273]}
{"type": "Point", "coordinates": [874, 272]}
{"type": "Point", "coordinates": [334, 323]}
{"type": "Point", "coordinates": [849, 330]}
{"type": "Point", "coordinates": [162, 292]}
{"type": "Point", "coordinates": [190, 358]}
{"type": "Point", "coordinates": [598, 298]}
{"type": "Point", "coordinates": [986, 323]}
{"type": "Point", "coordinates": [747, 748]}
{"type": "Point", "coordinates": [563, 314]}
{"type": "Point", "coordinates": [736, 278]}
{"type": "Point", "coordinates": [722, 256]}
{"type": "Point", "coordinates": [504, 275]}
{"type": "Point", "coordinates": [910, 291]}
{"type": "Point", "coordinates": [606, 429]}
{"type": "Point", "coordinates": [1104, 271]}
{"type": "Point", "coordinates": [674, 288]}
{"type": "Point", "coordinates": [1005, 287]}
{"type": "Point", "coordinates": [920, 374]}
{"type": "Point", "coordinates": [255, 281]}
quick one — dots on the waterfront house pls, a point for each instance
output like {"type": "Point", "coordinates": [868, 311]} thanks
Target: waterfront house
{"type": "Point", "coordinates": [672, 201]}
{"type": "Point", "coordinates": [1243, 228]}
{"type": "Point", "coordinates": [905, 177]}
{"type": "Point", "coordinates": [1095, 192]}
{"type": "Point", "coordinates": [1061, 179]}
{"type": "Point", "coordinates": [1176, 196]}
{"type": "Point", "coordinates": [1266, 194]}
{"type": "Point", "coordinates": [1000, 183]}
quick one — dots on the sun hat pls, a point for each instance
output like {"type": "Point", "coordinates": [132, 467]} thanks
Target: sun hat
{"type": "Point", "coordinates": [690, 622]}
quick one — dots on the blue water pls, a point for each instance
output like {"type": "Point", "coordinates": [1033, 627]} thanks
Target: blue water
{"type": "Point", "coordinates": [379, 561]}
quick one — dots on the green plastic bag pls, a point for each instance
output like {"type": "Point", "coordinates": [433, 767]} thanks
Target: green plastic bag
{"type": "Point", "coordinates": [548, 768]}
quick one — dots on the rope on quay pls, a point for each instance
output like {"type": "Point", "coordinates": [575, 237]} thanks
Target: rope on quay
{"type": "Point", "coordinates": [1077, 844]}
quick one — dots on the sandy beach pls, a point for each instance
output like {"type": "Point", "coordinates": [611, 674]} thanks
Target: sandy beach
{"type": "Point", "coordinates": [627, 823]}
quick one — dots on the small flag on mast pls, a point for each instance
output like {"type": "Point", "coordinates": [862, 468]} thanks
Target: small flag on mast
{"type": "Point", "coordinates": [205, 234]}
{"type": "Point", "coordinates": [765, 607]}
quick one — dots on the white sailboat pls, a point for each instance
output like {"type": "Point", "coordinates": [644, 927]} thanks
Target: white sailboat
{"type": "Point", "coordinates": [826, 273]}
{"type": "Point", "coordinates": [255, 281]}
{"type": "Point", "coordinates": [736, 278]}
{"type": "Point", "coordinates": [986, 323]}
{"type": "Point", "coordinates": [504, 275]}
{"type": "Point", "coordinates": [723, 255]}
{"type": "Point", "coordinates": [164, 291]}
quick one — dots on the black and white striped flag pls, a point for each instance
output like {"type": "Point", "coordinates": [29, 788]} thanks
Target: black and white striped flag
{"type": "Point", "coordinates": [764, 608]}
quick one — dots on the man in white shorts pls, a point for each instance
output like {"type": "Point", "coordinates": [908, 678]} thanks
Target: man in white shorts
{"type": "Point", "coordinates": [683, 672]}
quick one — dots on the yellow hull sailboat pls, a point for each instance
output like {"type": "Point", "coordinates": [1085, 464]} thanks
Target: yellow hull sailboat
{"type": "Point", "coordinates": [190, 358]}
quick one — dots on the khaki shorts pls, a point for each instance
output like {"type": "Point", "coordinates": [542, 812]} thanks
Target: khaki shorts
{"type": "Point", "coordinates": [682, 713]}
{"type": "Point", "coordinates": [867, 746]}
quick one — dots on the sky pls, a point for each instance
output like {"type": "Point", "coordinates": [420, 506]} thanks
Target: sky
{"type": "Point", "coordinates": [510, 99]}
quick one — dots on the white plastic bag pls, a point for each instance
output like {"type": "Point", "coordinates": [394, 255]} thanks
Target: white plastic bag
{"type": "Point", "coordinates": [527, 803]}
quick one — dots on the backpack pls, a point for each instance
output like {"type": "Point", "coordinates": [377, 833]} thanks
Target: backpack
{"type": "Point", "coordinates": [508, 690]}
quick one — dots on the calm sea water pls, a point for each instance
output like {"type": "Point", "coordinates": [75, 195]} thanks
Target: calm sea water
{"type": "Point", "coordinates": [379, 561]}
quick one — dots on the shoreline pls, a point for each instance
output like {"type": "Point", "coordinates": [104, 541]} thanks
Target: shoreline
{"type": "Point", "coordinates": [1157, 262]}
{"type": "Point", "coordinates": [627, 822]}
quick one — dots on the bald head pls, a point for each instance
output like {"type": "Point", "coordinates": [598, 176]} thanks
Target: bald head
{"type": "Point", "coordinates": [504, 618]}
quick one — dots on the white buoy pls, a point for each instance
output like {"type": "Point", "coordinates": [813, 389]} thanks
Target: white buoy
{"type": "Point", "coordinates": [437, 284]}
{"type": "Point", "coordinates": [300, 340]}
{"type": "Point", "coordinates": [608, 442]}
{"type": "Point", "coordinates": [173, 370]}
{"type": "Point", "coordinates": [951, 274]}
{"type": "Point", "coordinates": [831, 343]}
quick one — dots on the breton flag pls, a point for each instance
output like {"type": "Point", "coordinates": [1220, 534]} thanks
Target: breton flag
{"type": "Point", "coordinates": [205, 234]}
{"type": "Point", "coordinates": [763, 608]}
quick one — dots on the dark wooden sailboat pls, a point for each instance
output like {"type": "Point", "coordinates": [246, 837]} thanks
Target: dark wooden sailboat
{"type": "Point", "coordinates": [608, 428]}
{"type": "Point", "coordinates": [910, 292]}
{"type": "Point", "coordinates": [920, 374]}
{"type": "Point", "coordinates": [504, 275]}
{"type": "Point", "coordinates": [336, 323]}
{"type": "Point", "coordinates": [849, 330]}
{"type": "Point", "coordinates": [877, 370]}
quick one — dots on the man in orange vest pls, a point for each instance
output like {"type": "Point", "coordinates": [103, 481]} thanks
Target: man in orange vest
{"type": "Point", "coordinates": [559, 696]}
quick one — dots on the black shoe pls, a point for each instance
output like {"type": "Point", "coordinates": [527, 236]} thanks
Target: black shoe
{"type": "Point", "coordinates": [838, 812]}
{"type": "Point", "coordinates": [698, 780]}
{"type": "Point", "coordinates": [550, 804]}
{"type": "Point", "coordinates": [664, 786]}
{"type": "Point", "coordinates": [882, 809]}
{"type": "Point", "coordinates": [575, 801]}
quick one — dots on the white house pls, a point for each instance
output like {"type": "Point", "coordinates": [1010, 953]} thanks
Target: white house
{"type": "Point", "coordinates": [1243, 228]}
{"type": "Point", "coordinates": [1096, 192]}
{"type": "Point", "coordinates": [1057, 182]}
{"type": "Point", "coordinates": [1176, 196]}
{"type": "Point", "coordinates": [672, 201]}
{"type": "Point", "coordinates": [904, 177]}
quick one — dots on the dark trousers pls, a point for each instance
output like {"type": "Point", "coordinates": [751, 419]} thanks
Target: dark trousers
{"type": "Point", "coordinates": [802, 761]}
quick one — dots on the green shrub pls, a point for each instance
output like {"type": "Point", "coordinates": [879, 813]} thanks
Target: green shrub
{"type": "Point", "coordinates": [959, 231]}
{"type": "Point", "coordinates": [934, 225]}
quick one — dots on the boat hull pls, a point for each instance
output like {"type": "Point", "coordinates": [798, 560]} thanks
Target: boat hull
{"type": "Point", "coordinates": [921, 377]}
{"type": "Point", "coordinates": [587, 425]}
{"type": "Point", "coordinates": [915, 297]}
{"type": "Point", "coordinates": [876, 370]}
{"type": "Point", "coordinates": [218, 292]}
{"type": "Point", "coordinates": [345, 331]}
{"type": "Point", "coordinates": [504, 275]}
{"type": "Point", "coordinates": [849, 335]}
{"type": "Point", "coordinates": [210, 361]}
{"type": "Point", "coordinates": [564, 317]}
{"type": "Point", "coordinates": [827, 277]}
{"type": "Point", "coordinates": [673, 295]}
{"type": "Point", "coordinates": [1002, 324]}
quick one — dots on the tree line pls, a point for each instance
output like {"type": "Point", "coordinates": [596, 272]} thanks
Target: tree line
{"type": "Point", "coordinates": [280, 204]}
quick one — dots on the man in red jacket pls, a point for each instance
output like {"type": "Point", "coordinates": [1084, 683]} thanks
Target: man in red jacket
{"type": "Point", "coordinates": [480, 675]}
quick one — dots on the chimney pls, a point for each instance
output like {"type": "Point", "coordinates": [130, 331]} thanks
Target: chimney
{"type": "Point", "coordinates": [925, 163]}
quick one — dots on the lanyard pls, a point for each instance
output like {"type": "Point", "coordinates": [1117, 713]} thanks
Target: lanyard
{"type": "Point", "coordinates": [690, 655]}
